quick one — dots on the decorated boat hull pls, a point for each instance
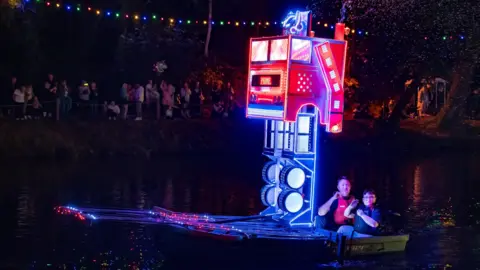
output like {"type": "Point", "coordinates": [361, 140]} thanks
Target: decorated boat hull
{"type": "Point", "coordinates": [236, 237]}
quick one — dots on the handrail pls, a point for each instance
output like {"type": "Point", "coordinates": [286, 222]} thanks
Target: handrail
{"type": "Point", "coordinates": [57, 111]}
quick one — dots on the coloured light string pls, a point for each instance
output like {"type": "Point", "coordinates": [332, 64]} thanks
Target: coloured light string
{"type": "Point", "coordinates": [237, 23]}
{"type": "Point", "coordinates": [154, 17]}
{"type": "Point", "coordinates": [188, 221]}
{"type": "Point", "coordinates": [192, 222]}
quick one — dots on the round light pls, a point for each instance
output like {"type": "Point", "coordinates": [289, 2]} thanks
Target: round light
{"type": "Point", "coordinates": [293, 177]}
{"type": "Point", "coordinates": [268, 196]}
{"type": "Point", "coordinates": [270, 172]}
{"type": "Point", "coordinates": [290, 201]}
{"type": "Point", "coordinates": [335, 129]}
{"type": "Point", "coordinates": [347, 31]}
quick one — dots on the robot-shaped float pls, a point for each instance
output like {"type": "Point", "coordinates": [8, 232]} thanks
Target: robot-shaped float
{"type": "Point", "coordinates": [295, 83]}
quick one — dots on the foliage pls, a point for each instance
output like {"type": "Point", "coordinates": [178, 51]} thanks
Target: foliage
{"type": "Point", "coordinates": [145, 44]}
{"type": "Point", "coordinates": [350, 87]}
{"type": "Point", "coordinates": [11, 3]}
{"type": "Point", "coordinates": [397, 31]}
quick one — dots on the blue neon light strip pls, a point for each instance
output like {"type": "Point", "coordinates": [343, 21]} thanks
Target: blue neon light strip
{"type": "Point", "coordinates": [268, 107]}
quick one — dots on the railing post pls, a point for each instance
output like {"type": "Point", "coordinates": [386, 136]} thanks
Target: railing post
{"type": "Point", "coordinates": [57, 109]}
{"type": "Point", "coordinates": [341, 246]}
{"type": "Point", "coordinates": [24, 109]}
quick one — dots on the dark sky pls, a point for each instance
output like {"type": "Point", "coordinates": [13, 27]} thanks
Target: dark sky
{"type": "Point", "coordinates": [223, 9]}
{"type": "Point", "coordinates": [87, 44]}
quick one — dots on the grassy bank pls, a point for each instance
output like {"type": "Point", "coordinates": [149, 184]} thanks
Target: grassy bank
{"type": "Point", "coordinates": [150, 139]}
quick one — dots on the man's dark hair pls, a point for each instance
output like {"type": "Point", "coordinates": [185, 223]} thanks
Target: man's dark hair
{"type": "Point", "coordinates": [343, 178]}
{"type": "Point", "coordinates": [369, 190]}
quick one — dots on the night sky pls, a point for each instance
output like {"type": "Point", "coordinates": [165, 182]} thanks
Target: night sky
{"type": "Point", "coordinates": [78, 45]}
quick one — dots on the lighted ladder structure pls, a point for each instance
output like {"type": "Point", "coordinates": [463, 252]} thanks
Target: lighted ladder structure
{"type": "Point", "coordinates": [290, 175]}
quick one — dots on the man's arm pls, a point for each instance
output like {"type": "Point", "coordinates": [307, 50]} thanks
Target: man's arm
{"type": "Point", "coordinates": [351, 207]}
{"type": "Point", "coordinates": [323, 210]}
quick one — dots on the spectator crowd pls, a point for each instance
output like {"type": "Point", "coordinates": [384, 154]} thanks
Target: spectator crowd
{"type": "Point", "coordinates": [58, 99]}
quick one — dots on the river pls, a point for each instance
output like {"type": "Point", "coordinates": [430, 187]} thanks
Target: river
{"type": "Point", "coordinates": [437, 196]}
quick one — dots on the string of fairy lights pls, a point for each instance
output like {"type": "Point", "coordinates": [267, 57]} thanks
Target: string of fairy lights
{"type": "Point", "coordinates": [138, 16]}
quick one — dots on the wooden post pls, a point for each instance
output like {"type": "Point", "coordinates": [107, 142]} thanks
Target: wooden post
{"type": "Point", "coordinates": [57, 109]}
{"type": "Point", "coordinates": [24, 109]}
{"type": "Point", "coordinates": [157, 103]}
{"type": "Point", "coordinates": [341, 243]}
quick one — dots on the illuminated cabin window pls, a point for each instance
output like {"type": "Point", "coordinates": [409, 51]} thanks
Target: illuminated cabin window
{"type": "Point", "coordinates": [304, 142]}
{"type": "Point", "coordinates": [301, 50]}
{"type": "Point", "coordinates": [278, 49]}
{"type": "Point", "coordinates": [284, 131]}
{"type": "Point", "coordinates": [259, 51]}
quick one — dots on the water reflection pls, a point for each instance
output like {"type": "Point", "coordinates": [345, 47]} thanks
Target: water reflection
{"type": "Point", "coordinates": [436, 197]}
{"type": "Point", "coordinates": [25, 213]}
{"type": "Point", "coordinates": [168, 195]}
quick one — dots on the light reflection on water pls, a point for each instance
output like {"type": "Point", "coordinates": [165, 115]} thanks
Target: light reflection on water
{"type": "Point", "coordinates": [436, 196]}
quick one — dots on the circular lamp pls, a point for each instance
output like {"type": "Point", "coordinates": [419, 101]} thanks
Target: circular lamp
{"type": "Point", "coordinates": [292, 177]}
{"type": "Point", "coordinates": [269, 172]}
{"type": "Point", "coordinates": [268, 195]}
{"type": "Point", "coordinates": [290, 201]}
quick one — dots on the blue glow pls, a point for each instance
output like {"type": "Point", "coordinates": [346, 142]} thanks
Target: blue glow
{"type": "Point", "coordinates": [213, 22]}
{"type": "Point", "coordinates": [68, 7]}
{"type": "Point", "coordinates": [296, 23]}
{"type": "Point", "coordinates": [179, 21]}
{"type": "Point", "coordinates": [144, 18]}
{"type": "Point", "coordinates": [72, 208]}
{"type": "Point", "coordinates": [462, 37]}
{"type": "Point", "coordinates": [244, 23]}
{"type": "Point", "coordinates": [108, 13]}
{"type": "Point", "coordinates": [359, 32]}
{"type": "Point", "coordinates": [331, 27]}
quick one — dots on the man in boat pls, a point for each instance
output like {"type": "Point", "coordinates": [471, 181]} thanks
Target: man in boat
{"type": "Point", "coordinates": [331, 215]}
{"type": "Point", "coordinates": [367, 217]}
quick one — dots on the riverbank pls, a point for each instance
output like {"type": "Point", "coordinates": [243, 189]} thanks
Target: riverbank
{"type": "Point", "coordinates": [151, 139]}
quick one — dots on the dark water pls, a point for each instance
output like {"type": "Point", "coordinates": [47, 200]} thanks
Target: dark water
{"type": "Point", "coordinates": [438, 197]}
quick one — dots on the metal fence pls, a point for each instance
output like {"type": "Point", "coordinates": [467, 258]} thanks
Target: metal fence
{"type": "Point", "coordinates": [62, 109]}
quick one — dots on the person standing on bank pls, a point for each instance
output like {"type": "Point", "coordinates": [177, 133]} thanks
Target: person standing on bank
{"type": "Point", "coordinates": [331, 215]}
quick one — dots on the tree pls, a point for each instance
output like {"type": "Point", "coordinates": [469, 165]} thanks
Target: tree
{"type": "Point", "coordinates": [421, 35]}
{"type": "Point", "coordinates": [209, 30]}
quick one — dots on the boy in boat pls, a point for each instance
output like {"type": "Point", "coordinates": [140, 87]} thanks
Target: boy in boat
{"type": "Point", "coordinates": [331, 215]}
{"type": "Point", "coordinates": [367, 217]}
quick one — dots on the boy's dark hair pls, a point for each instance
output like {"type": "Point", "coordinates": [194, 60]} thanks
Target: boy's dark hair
{"type": "Point", "coordinates": [369, 190]}
{"type": "Point", "coordinates": [343, 178]}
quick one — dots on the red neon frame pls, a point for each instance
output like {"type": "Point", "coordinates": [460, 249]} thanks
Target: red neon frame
{"type": "Point", "coordinates": [337, 54]}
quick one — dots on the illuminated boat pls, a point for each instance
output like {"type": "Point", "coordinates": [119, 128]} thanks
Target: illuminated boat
{"type": "Point", "coordinates": [295, 84]}
{"type": "Point", "coordinates": [207, 236]}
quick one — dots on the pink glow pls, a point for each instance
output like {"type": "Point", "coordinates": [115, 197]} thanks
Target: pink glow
{"type": "Point", "coordinates": [301, 49]}
{"type": "Point", "coordinates": [278, 49]}
{"type": "Point", "coordinates": [259, 51]}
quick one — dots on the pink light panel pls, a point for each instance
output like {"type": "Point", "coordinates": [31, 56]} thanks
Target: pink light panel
{"type": "Point", "coordinates": [259, 51]}
{"type": "Point", "coordinates": [278, 49]}
{"type": "Point", "coordinates": [301, 50]}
